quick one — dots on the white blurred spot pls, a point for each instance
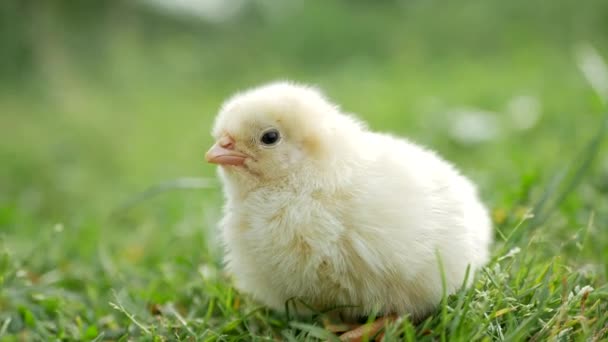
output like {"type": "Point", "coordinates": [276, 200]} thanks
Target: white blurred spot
{"type": "Point", "coordinates": [582, 291]}
{"type": "Point", "coordinates": [512, 252]}
{"type": "Point", "coordinates": [473, 126]}
{"type": "Point", "coordinates": [524, 112]}
{"type": "Point", "coordinates": [58, 227]}
{"type": "Point", "coordinates": [207, 272]}
{"type": "Point", "coordinates": [211, 10]}
{"type": "Point", "coordinates": [564, 333]}
{"type": "Point", "coordinates": [578, 291]}
{"type": "Point", "coordinates": [38, 296]}
{"type": "Point", "coordinates": [594, 68]}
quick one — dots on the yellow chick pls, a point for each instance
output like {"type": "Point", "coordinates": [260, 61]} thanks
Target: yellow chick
{"type": "Point", "coordinates": [321, 209]}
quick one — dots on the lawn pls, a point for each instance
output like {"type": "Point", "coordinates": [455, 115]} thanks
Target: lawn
{"type": "Point", "coordinates": [108, 212]}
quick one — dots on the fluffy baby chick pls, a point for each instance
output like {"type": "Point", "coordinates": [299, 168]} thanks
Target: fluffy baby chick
{"type": "Point", "coordinates": [322, 209]}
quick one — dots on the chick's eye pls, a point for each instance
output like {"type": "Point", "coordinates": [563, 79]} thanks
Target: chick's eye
{"type": "Point", "coordinates": [270, 137]}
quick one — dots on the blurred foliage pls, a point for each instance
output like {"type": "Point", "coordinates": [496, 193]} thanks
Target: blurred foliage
{"type": "Point", "coordinates": [101, 99]}
{"type": "Point", "coordinates": [109, 97]}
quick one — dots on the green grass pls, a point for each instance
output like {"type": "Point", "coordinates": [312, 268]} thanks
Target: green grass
{"type": "Point", "coordinates": [104, 111]}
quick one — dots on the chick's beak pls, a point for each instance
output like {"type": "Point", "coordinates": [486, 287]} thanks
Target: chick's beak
{"type": "Point", "coordinates": [223, 153]}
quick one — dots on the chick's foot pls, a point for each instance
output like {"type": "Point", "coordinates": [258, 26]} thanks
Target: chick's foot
{"type": "Point", "coordinates": [370, 331]}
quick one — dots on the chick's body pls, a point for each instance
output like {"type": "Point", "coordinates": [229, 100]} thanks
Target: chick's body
{"type": "Point", "coordinates": [338, 215]}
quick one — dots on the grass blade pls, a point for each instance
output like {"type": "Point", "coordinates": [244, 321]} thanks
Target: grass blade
{"type": "Point", "coordinates": [186, 183]}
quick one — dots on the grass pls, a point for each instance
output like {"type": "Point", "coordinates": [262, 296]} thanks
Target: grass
{"type": "Point", "coordinates": [104, 113]}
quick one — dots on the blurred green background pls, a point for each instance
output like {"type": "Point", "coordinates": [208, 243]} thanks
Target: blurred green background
{"type": "Point", "coordinates": [101, 100]}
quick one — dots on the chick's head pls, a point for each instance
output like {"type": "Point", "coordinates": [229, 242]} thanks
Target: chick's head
{"type": "Point", "coordinates": [270, 132]}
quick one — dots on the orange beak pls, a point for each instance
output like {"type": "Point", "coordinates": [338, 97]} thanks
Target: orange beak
{"type": "Point", "coordinates": [223, 153]}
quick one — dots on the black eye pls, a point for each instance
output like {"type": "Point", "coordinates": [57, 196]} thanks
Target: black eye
{"type": "Point", "coordinates": [270, 137]}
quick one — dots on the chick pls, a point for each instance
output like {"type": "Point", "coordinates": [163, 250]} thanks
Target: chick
{"type": "Point", "coordinates": [322, 209]}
